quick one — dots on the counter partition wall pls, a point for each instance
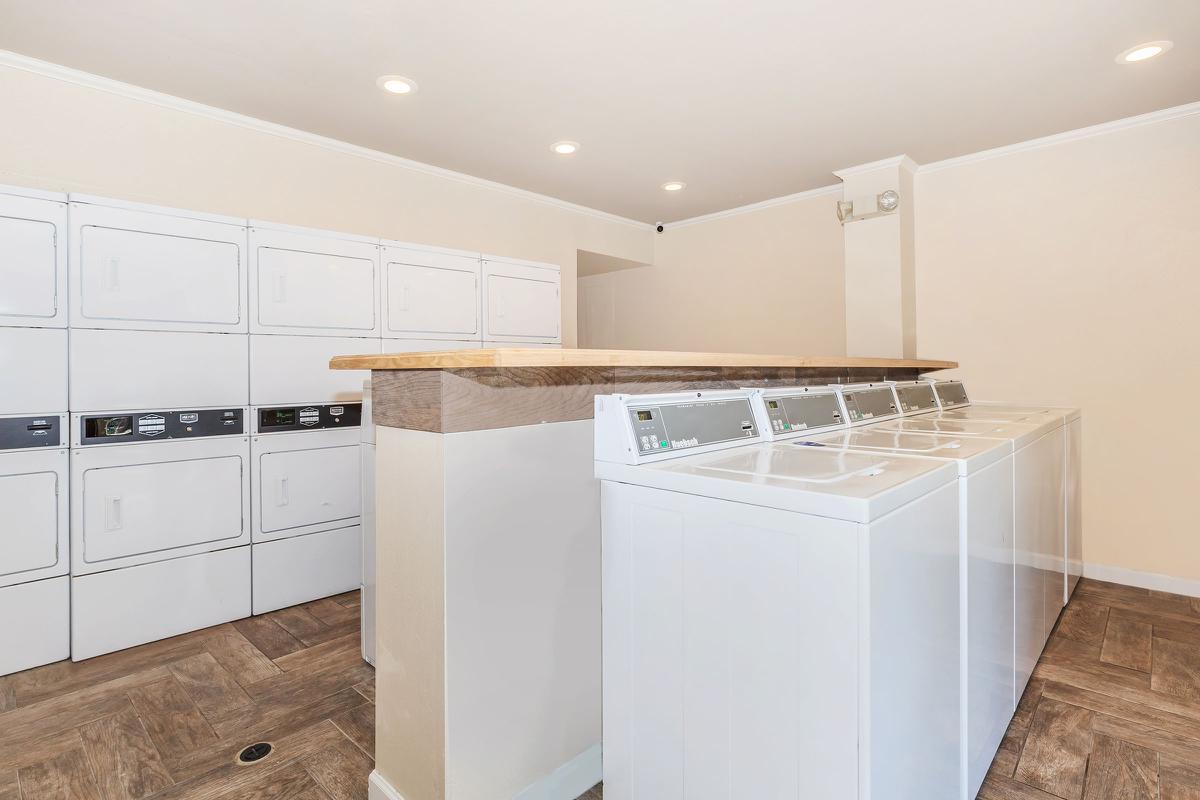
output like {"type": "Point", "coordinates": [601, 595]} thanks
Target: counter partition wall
{"type": "Point", "coordinates": [158, 364]}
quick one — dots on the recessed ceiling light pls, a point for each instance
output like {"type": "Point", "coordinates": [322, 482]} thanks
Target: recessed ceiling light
{"type": "Point", "coordinates": [396, 84]}
{"type": "Point", "coordinates": [565, 148]}
{"type": "Point", "coordinates": [673, 186]}
{"type": "Point", "coordinates": [1144, 51]}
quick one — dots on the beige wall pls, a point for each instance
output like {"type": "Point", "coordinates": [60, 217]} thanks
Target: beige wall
{"type": "Point", "coordinates": [1056, 274]}
{"type": "Point", "coordinates": [67, 137]}
{"type": "Point", "coordinates": [767, 281]}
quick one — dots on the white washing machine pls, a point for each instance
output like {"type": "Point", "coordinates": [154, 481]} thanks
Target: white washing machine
{"type": "Point", "coordinates": [33, 258]}
{"type": "Point", "coordinates": [957, 405]}
{"type": "Point", "coordinates": [369, 584]}
{"type": "Point", "coordinates": [306, 498]}
{"type": "Point", "coordinates": [1038, 491]}
{"type": "Point", "coordinates": [160, 532]}
{"type": "Point", "coordinates": [779, 621]}
{"type": "Point", "coordinates": [34, 541]}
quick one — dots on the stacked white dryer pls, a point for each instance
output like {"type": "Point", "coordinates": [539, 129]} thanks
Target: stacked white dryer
{"type": "Point", "coordinates": [521, 306]}
{"type": "Point", "coordinates": [160, 453]}
{"type": "Point", "coordinates": [34, 472]}
{"type": "Point", "coordinates": [313, 295]}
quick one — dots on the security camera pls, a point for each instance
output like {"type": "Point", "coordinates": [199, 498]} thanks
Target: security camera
{"type": "Point", "coordinates": [658, 226]}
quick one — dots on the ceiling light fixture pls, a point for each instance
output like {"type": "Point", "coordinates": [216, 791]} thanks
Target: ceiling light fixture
{"type": "Point", "coordinates": [396, 84]}
{"type": "Point", "coordinates": [1144, 51]}
{"type": "Point", "coordinates": [565, 147]}
{"type": "Point", "coordinates": [673, 186]}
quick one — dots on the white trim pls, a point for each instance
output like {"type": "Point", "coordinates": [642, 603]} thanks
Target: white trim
{"type": "Point", "coordinates": [1104, 128]}
{"type": "Point", "coordinates": [568, 781]}
{"type": "Point", "coordinates": [775, 201]}
{"type": "Point", "coordinates": [1143, 580]}
{"type": "Point", "coordinates": [902, 161]}
{"type": "Point", "coordinates": [58, 72]}
{"type": "Point", "coordinates": [379, 789]}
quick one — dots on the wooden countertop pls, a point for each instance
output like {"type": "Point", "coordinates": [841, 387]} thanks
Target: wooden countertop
{"type": "Point", "coordinates": [507, 357]}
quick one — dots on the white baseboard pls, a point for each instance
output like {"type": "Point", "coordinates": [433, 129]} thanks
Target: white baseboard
{"type": "Point", "coordinates": [566, 783]}
{"type": "Point", "coordinates": [1143, 580]}
{"type": "Point", "coordinates": [379, 789]}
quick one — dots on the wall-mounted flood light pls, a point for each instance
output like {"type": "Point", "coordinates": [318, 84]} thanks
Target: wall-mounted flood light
{"type": "Point", "coordinates": [885, 202]}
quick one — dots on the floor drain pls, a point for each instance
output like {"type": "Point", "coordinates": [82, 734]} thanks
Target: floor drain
{"type": "Point", "coordinates": [254, 753]}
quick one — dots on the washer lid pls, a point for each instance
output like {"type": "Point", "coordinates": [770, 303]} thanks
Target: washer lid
{"type": "Point", "coordinates": [841, 484]}
{"type": "Point", "coordinates": [1020, 433]}
{"type": "Point", "coordinates": [967, 453]}
{"type": "Point", "coordinates": [1008, 411]}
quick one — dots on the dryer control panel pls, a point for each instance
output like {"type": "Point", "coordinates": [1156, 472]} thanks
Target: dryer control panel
{"type": "Point", "coordinates": [154, 426]}
{"type": "Point", "coordinates": [638, 428]}
{"type": "Point", "coordinates": [285, 419]}
{"type": "Point", "coordinates": [23, 433]}
{"type": "Point", "coordinates": [869, 402]}
{"type": "Point", "coordinates": [951, 394]}
{"type": "Point", "coordinates": [916, 397]}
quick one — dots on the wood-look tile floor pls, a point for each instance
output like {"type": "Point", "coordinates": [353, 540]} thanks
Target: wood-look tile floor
{"type": "Point", "coordinates": [1112, 711]}
{"type": "Point", "coordinates": [1113, 707]}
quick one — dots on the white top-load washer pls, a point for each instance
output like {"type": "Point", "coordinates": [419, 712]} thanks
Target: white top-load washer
{"type": "Point", "coordinates": [956, 404]}
{"type": "Point", "coordinates": [985, 482]}
{"type": "Point", "coordinates": [1038, 491]}
{"type": "Point", "coordinates": [779, 621]}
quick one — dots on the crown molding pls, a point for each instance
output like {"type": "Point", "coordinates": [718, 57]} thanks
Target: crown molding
{"type": "Point", "coordinates": [901, 161]}
{"type": "Point", "coordinates": [774, 201]}
{"type": "Point", "coordinates": [88, 80]}
{"type": "Point", "coordinates": [1101, 129]}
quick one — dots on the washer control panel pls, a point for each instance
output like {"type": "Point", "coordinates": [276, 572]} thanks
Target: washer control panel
{"type": "Point", "coordinates": [951, 394]}
{"type": "Point", "coordinates": [23, 433]}
{"type": "Point", "coordinates": [155, 426]}
{"type": "Point", "coordinates": [916, 397]}
{"type": "Point", "coordinates": [869, 403]}
{"type": "Point", "coordinates": [280, 419]}
{"type": "Point", "coordinates": [799, 411]}
{"type": "Point", "coordinates": [638, 428]}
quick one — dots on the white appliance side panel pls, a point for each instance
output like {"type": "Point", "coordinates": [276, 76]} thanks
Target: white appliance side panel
{"type": "Point", "coordinates": [313, 284]}
{"type": "Point", "coordinates": [108, 609]}
{"type": "Point", "coordinates": [431, 295]}
{"type": "Point", "coordinates": [304, 568]}
{"type": "Point", "coordinates": [1031, 493]}
{"type": "Point", "coordinates": [115, 370]}
{"type": "Point", "coordinates": [305, 482]}
{"type": "Point", "coordinates": [33, 261]}
{"type": "Point", "coordinates": [1074, 505]}
{"type": "Point", "coordinates": [369, 585]}
{"type": "Point", "coordinates": [37, 624]}
{"type": "Point", "coordinates": [914, 648]}
{"type": "Point", "coordinates": [133, 504]}
{"type": "Point", "coordinates": [136, 270]}
{"type": "Point", "coordinates": [295, 369]}
{"type": "Point", "coordinates": [1049, 503]}
{"type": "Point", "coordinates": [990, 660]}
{"type": "Point", "coordinates": [33, 370]}
{"type": "Point", "coordinates": [708, 618]}
{"type": "Point", "coordinates": [34, 499]}
{"type": "Point", "coordinates": [521, 303]}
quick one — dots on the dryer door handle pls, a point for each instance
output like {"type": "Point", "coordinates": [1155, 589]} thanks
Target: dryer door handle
{"type": "Point", "coordinates": [112, 274]}
{"type": "Point", "coordinates": [281, 492]}
{"type": "Point", "coordinates": [112, 513]}
{"type": "Point", "coordinates": [279, 288]}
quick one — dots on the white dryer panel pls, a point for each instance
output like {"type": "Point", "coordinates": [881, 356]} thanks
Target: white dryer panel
{"type": "Point", "coordinates": [295, 369]}
{"type": "Point", "coordinates": [134, 504]}
{"type": "Point", "coordinates": [305, 482]}
{"type": "Point", "coordinates": [109, 610]}
{"type": "Point", "coordinates": [126, 370]}
{"type": "Point", "coordinates": [430, 294]}
{"type": "Point", "coordinates": [303, 568]}
{"type": "Point", "coordinates": [34, 498]}
{"type": "Point", "coordinates": [33, 370]}
{"type": "Point", "coordinates": [33, 260]}
{"type": "Point", "coordinates": [312, 282]}
{"type": "Point", "coordinates": [521, 302]}
{"type": "Point", "coordinates": [37, 623]}
{"type": "Point", "coordinates": [156, 271]}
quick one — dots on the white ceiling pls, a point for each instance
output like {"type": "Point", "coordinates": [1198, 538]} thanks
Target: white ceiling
{"type": "Point", "coordinates": [742, 100]}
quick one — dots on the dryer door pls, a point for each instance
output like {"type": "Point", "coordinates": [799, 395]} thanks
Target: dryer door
{"type": "Point", "coordinates": [304, 491]}
{"type": "Point", "coordinates": [521, 303]}
{"type": "Point", "coordinates": [431, 295]}
{"type": "Point", "coordinates": [149, 502]}
{"type": "Point", "coordinates": [32, 496]}
{"type": "Point", "coordinates": [32, 266]}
